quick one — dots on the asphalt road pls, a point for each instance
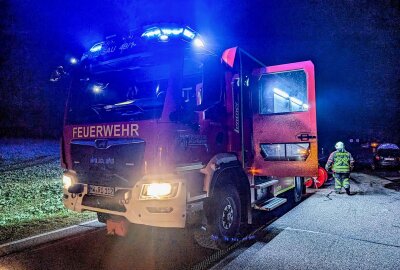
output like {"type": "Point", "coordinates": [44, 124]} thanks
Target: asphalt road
{"type": "Point", "coordinates": [146, 248]}
{"type": "Point", "coordinates": [333, 231]}
{"type": "Point", "coordinates": [325, 231]}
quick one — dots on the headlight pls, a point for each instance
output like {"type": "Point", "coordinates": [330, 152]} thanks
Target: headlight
{"type": "Point", "coordinates": [67, 181]}
{"type": "Point", "coordinates": [159, 191]}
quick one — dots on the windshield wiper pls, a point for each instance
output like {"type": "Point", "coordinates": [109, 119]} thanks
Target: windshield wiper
{"type": "Point", "coordinates": [116, 107]}
{"type": "Point", "coordinates": [125, 110]}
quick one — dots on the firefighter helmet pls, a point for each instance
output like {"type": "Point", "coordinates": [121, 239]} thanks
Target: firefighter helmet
{"type": "Point", "coordinates": [339, 145]}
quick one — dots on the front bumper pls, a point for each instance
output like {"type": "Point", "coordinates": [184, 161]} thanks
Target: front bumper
{"type": "Point", "coordinates": [153, 212]}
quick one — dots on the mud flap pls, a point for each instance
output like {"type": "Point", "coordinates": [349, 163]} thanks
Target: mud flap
{"type": "Point", "coordinates": [117, 227]}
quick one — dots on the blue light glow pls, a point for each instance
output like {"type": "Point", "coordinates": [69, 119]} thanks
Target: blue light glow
{"type": "Point", "coordinates": [198, 42]}
{"type": "Point", "coordinates": [172, 31]}
{"type": "Point", "coordinates": [188, 33]}
{"type": "Point", "coordinates": [281, 93]}
{"type": "Point", "coordinates": [163, 37]}
{"type": "Point", "coordinates": [73, 61]}
{"type": "Point", "coordinates": [152, 32]}
{"type": "Point", "coordinates": [97, 47]}
{"type": "Point", "coordinates": [96, 89]}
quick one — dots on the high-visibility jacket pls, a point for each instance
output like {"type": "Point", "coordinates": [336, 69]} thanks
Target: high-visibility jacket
{"type": "Point", "coordinates": [341, 161]}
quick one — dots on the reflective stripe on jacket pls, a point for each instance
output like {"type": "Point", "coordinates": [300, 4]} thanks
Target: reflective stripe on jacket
{"type": "Point", "coordinates": [341, 161]}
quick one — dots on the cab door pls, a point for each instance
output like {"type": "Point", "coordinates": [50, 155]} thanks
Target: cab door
{"type": "Point", "coordinates": [284, 121]}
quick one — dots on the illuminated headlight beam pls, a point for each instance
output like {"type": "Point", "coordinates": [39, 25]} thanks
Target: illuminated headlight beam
{"type": "Point", "coordinates": [67, 181]}
{"type": "Point", "coordinates": [159, 191]}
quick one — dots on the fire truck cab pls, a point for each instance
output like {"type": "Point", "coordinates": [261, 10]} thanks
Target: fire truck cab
{"type": "Point", "coordinates": [158, 129]}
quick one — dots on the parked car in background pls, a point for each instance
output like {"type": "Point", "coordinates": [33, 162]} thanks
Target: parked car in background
{"type": "Point", "coordinates": [387, 155]}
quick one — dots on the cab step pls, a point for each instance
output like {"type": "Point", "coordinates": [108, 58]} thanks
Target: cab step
{"type": "Point", "coordinates": [266, 184]}
{"type": "Point", "coordinates": [271, 204]}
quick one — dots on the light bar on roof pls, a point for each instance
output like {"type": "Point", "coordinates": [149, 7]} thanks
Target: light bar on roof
{"type": "Point", "coordinates": [152, 32]}
{"type": "Point", "coordinates": [171, 31]}
{"type": "Point", "coordinates": [164, 37]}
{"type": "Point", "coordinates": [188, 33]}
{"type": "Point", "coordinates": [165, 33]}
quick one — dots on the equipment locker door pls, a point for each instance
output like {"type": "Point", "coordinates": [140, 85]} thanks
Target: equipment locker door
{"type": "Point", "coordinates": [284, 120]}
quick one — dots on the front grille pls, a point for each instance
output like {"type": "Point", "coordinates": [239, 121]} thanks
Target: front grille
{"type": "Point", "coordinates": [119, 164]}
{"type": "Point", "coordinates": [108, 203]}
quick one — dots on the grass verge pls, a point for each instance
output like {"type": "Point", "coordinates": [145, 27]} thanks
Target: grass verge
{"type": "Point", "coordinates": [31, 202]}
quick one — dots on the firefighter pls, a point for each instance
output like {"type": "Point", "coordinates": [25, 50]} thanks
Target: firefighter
{"type": "Point", "coordinates": [341, 163]}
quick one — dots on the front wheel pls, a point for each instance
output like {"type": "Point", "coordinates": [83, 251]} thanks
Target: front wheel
{"type": "Point", "coordinates": [298, 188]}
{"type": "Point", "coordinates": [225, 216]}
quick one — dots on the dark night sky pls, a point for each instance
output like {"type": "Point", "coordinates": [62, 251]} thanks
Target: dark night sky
{"type": "Point", "coordinates": [353, 44]}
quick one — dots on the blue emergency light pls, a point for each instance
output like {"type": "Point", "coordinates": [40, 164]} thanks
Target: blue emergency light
{"type": "Point", "coordinates": [171, 31]}
{"type": "Point", "coordinates": [73, 61]}
{"type": "Point", "coordinates": [96, 47]}
{"type": "Point", "coordinates": [152, 32]}
{"type": "Point", "coordinates": [188, 33]}
{"type": "Point", "coordinates": [164, 37]}
{"type": "Point", "coordinates": [164, 34]}
{"type": "Point", "coordinates": [96, 89]}
{"type": "Point", "coordinates": [198, 42]}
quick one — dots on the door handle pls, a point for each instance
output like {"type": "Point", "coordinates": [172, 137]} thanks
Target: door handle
{"type": "Point", "coordinates": [305, 137]}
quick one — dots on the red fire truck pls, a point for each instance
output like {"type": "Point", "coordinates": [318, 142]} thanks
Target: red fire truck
{"type": "Point", "coordinates": [159, 129]}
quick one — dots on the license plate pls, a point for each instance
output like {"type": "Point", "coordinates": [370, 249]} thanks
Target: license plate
{"type": "Point", "coordinates": [389, 158]}
{"type": "Point", "coordinates": [100, 190]}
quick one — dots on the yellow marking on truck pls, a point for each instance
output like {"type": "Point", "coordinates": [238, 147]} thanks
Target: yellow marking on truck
{"type": "Point", "coordinates": [115, 130]}
{"type": "Point", "coordinates": [280, 191]}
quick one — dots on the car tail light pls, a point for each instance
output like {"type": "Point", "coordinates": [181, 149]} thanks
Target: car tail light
{"type": "Point", "coordinates": [377, 157]}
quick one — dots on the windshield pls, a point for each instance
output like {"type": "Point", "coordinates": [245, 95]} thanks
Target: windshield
{"type": "Point", "coordinates": [389, 152]}
{"type": "Point", "coordinates": [119, 95]}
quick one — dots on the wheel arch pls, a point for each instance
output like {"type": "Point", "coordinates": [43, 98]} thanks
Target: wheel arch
{"type": "Point", "coordinates": [228, 170]}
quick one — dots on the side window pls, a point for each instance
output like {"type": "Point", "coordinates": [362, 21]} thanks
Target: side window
{"type": "Point", "coordinates": [192, 82]}
{"type": "Point", "coordinates": [285, 151]}
{"type": "Point", "coordinates": [283, 92]}
{"type": "Point", "coordinates": [187, 97]}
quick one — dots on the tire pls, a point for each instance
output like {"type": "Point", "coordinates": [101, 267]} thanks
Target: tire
{"type": "Point", "coordinates": [225, 216]}
{"type": "Point", "coordinates": [298, 189]}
